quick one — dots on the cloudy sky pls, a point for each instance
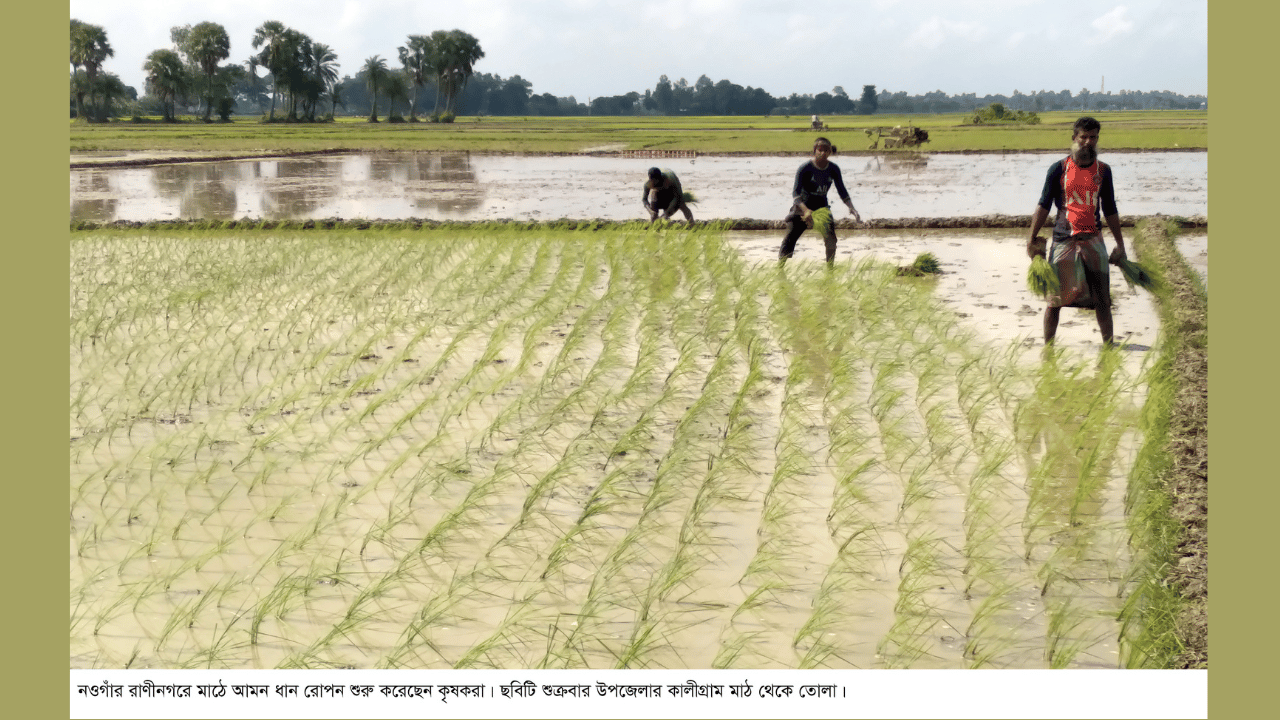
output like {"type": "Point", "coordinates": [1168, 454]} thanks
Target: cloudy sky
{"type": "Point", "coordinates": [590, 48]}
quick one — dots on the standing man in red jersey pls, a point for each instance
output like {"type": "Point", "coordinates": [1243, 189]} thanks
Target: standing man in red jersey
{"type": "Point", "coordinates": [1081, 188]}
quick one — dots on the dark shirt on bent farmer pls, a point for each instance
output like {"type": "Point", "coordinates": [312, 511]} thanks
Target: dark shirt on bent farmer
{"type": "Point", "coordinates": [812, 184]}
{"type": "Point", "coordinates": [668, 196]}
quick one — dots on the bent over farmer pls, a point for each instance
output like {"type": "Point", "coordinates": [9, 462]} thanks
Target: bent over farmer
{"type": "Point", "coordinates": [1081, 189]}
{"type": "Point", "coordinates": [662, 193]}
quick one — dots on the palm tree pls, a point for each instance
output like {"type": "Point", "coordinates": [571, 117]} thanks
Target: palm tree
{"type": "Point", "coordinates": [166, 79]}
{"type": "Point", "coordinates": [206, 45]}
{"type": "Point", "coordinates": [298, 79]}
{"type": "Point", "coordinates": [418, 57]}
{"type": "Point", "coordinates": [436, 45]}
{"type": "Point", "coordinates": [253, 84]}
{"type": "Point", "coordinates": [89, 47]}
{"type": "Point", "coordinates": [458, 55]}
{"type": "Point", "coordinates": [112, 88]}
{"type": "Point", "coordinates": [323, 63]}
{"type": "Point", "coordinates": [270, 36]}
{"type": "Point", "coordinates": [396, 89]}
{"type": "Point", "coordinates": [75, 68]}
{"type": "Point", "coordinates": [335, 97]}
{"type": "Point", "coordinates": [375, 76]}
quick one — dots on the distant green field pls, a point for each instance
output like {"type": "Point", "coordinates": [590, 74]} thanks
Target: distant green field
{"type": "Point", "coordinates": [1150, 130]}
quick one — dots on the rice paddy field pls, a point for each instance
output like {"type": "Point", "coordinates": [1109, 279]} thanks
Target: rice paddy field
{"type": "Point", "coordinates": [479, 447]}
{"type": "Point", "coordinates": [948, 132]}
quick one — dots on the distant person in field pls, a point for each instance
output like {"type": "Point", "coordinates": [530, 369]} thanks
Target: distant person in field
{"type": "Point", "coordinates": [663, 194]}
{"type": "Point", "coordinates": [1081, 188]}
{"type": "Point", "coordinates": [809, 193]}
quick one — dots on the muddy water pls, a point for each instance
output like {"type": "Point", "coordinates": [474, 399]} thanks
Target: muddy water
{"type": "Point", "coordinates": [1194, 246]}
{"type": "Point", "coordinates": [453, 186]}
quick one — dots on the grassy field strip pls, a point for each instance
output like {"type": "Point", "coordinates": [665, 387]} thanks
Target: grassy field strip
{"type": "Point", "coordinates": [569, 449]}
{"type": "Point", "coordinates": [1156, 129]}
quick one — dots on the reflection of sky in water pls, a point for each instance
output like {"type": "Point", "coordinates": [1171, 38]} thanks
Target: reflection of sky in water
{"type": "Point", "coordinates": [479, 187]}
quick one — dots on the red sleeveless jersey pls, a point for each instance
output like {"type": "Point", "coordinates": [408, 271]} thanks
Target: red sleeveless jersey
{"type": "Point", "coordinates": [1080, 190]}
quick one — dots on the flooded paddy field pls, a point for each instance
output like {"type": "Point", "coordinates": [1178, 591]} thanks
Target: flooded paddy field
{"type": "Point", "coordinates": [592, 449]}
{"type": "Point", "coordinates": [459, 186]}
{"type": "Point", "coordinates": [541, 448]}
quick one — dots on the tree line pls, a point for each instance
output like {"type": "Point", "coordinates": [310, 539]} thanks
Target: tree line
{"type": "Point", "coordinates": [300, 83]}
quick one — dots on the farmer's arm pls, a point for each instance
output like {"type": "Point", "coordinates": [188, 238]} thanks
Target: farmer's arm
{"type": "Point", "coordinates": [1038, 218]}
{"type": "Point", "coordinates": [1117, 253]}
{"type": "Point", "coordinates": [645, 195]}
{"type": "Point", "coordinates": [798, 193]}
{"type": "Point", "coordinates": [1052, 185]}
{"type": "Point", "coordinates": [844, 194]}
{"type": "Point", "coordinates": [1107, 200]}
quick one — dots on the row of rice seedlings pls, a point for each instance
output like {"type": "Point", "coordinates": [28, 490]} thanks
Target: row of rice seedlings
{"type": "Point", "coordinates": [627, 460]}
{"type": "Point", "coordinates": [674, 599]}
{"type": "Point", "coordinates": [1072, 428]}
{"type": "Point", "coordinates": [848, 609]}
{"type": "Point", "coordinates": [690, 317]}
{"type": "Point", "coordinates": [648, 564]}
{"type": "Point", "coordinates": [915, 439]}
{"type": "Point", "coordinates": [586, 441]}
{"type": "Point", "coordinates": [785, 571]}
{"type": "Point", "coordinates": [573, 462]}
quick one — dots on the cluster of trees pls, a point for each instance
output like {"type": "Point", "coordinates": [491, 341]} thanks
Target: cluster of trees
{"type": "Point", "coordinates": [89, 50]}
{"type": "Point", "coordinates": [301, 79]}
{"type": "Point", "coordinates": [1042, 101]}
{"type": "Point", "coordinates": [707, 97]}
{"type": "Point", "coordinates": [997, 114]}
{"type": "Point", "coordinates": [301, 75]}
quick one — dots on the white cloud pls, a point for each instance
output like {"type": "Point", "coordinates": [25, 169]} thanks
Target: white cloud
{"type": "Point", "coordinates": [935, 31]}
{"type": "Point", "coordinates": [1112, 25]}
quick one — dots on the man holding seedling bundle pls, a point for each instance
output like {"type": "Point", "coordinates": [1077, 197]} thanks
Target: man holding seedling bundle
{"type": "Point", "coordinates": [1081, 188]}
{"type": "Point", "coordinates": [809, 207]}
{"type": "Point", "coordinates": [662, 193]}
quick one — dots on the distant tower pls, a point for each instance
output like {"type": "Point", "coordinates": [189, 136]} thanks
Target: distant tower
{"type": "Point", "coordinates": [1103, 89]}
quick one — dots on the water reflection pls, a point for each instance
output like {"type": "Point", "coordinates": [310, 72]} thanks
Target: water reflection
{"type": "Point", "coordinates": [202, 190]}
{"type": "Point", "coordinates": [91, 196]}
{"type": "Point", "coordinates": [896, 163]}
{"type": "Point", "coordinates": [296, 188]}
{"type": "Point", "coordinates": [461, 186]}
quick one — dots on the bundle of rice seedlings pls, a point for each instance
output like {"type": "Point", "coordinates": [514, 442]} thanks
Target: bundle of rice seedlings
{"type": "Point", "coordinates": [1042, 279]}
{"type": "Point", "coordinates": [1136, 274]}
{"type": "Point", "coordinates": [925, 264]}
{"type": "Point", "coordinates": [822, 221]}
{"type": "Point", "coordinates": [688, 197]}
